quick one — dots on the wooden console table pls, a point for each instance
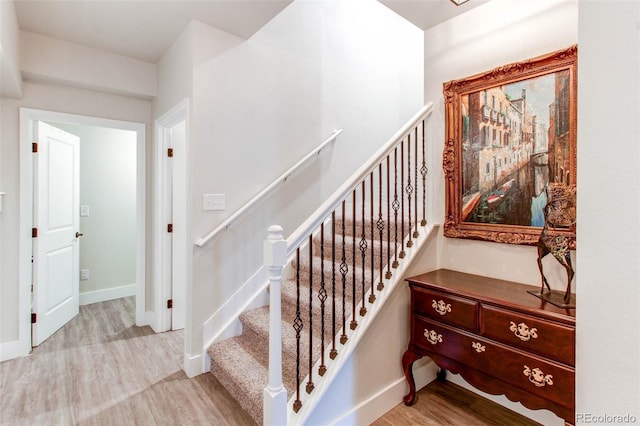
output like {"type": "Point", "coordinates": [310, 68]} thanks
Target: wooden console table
{"type": "Point", "coordinates": [498, 337]}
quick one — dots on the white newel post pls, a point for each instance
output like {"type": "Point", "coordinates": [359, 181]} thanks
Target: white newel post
{"type": "Point", "coordinates": [275, 395]}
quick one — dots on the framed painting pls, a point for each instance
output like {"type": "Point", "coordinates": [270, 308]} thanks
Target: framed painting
{"type": "Point", "coordinates": [509, 132]}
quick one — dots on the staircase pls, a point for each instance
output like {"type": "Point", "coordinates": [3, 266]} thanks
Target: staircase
{"type": "Point", "coordinates": [342, 264]}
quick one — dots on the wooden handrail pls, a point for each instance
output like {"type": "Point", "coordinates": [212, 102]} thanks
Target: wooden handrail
{"type": "Point", "coordinates": [297, 237]}
{"type": "Point", "coordinates": [278, 181]}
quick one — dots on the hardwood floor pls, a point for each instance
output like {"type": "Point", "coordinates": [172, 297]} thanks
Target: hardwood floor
{"type": "Point", "coordinates": [101, 369]}
{"type": "Point", "coordinates": [445, 403]}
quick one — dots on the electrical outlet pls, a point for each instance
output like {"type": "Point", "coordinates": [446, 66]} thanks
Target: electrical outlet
{"type": "Point", "coordinates": [84, 274]}
{"type": "Point", "coordinates": [213, 202]}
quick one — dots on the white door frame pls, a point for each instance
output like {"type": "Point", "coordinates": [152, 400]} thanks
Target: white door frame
{"type": "Point", "coordinates": [178, 210]}
{"type": "Point", "coordinates": [27, 117]}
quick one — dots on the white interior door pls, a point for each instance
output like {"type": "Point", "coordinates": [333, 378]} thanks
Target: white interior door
{"type": "Point", "coordinates": [172, 254]}
{"type": "Point", "coordinates": [179, 200]}
{"type": "Point", "coordinates": [56, 218]}
{"type": "Point", "coordinates": [165, 289]}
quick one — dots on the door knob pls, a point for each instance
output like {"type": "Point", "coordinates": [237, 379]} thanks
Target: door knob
{"type": "Point", "coordinates": [79, 234]}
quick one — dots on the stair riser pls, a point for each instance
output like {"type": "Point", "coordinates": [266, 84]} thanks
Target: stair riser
{"type": "Point", "coordinates": [289, 316]}
{"type": "Point", "coordinates": [366, 226]}
{"type": "Point", "coordinates": [318, 265]}
{"type": "Point", "coordinates": [289, 296]}
{"type": "Point", "coordinates": [315, 280]}
{"type": "Point", "coordinates": [348, 253]}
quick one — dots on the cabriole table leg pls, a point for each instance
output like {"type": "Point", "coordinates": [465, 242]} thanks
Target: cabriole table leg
{"type": "Point", "coordinates": [408, 359]}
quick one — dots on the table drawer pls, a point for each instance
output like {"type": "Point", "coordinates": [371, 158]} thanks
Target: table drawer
{"type": "Point", "coordinates": [552, 340]}
{"type": "Point", "coordinates": [536, 375]}
{"type": "Point", "coordinates": [445, 308]}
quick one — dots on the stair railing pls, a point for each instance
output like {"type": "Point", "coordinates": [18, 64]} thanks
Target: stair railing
{"type": "Point", "coordinates": [376, 214]}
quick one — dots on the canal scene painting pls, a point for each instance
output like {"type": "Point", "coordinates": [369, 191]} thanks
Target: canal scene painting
{"type": "Point", "coordinates": [510, 132]}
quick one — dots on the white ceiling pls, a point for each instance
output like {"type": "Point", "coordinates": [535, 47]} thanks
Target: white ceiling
{"type": "Point", "coordinates": [141, 29]}
{"type": "Point", "coordinates": [145, 29]}
{"type": "Point", "coordinates": [428, 13]}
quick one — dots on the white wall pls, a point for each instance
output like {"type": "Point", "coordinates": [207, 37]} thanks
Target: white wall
{"type": "Point", "coordinates": [491, 35]}
{"type": "Point", "coordinates": [196, 44]}
{"type": "Point", "coordinates": [52, 60]}
{"type": "Point", "coordinates": [108, 188]}
{"type": "Point", "coordinates": [261, 105]}
{"type": "Point", "coordinates": [608, 315]}
{"type": "Point", "coordinates": [10, 80]}
{"type": "Point", "coordinates": [607, 274]}
{"type": "Point", "coordinates": [53, 98]}
{"type": "Point", "coordinates": [175, 74]}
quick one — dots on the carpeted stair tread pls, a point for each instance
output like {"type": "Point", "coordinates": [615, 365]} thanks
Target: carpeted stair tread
{"type": "Point", "coordinates": [256, 333]}
{"type": "Point", "coordinates": [256, 321]}
{"type": "Point", "coordinates": [240, 373]}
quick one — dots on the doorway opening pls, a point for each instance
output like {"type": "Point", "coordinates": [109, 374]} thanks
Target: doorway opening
{"type": "Point", "coordinates": [30, 175]}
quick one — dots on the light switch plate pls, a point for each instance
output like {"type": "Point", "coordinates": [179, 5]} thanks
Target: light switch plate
{"type": "Point", "coordinates": [84, 211]}
{"type": "Point", "coordinates": [213, 202]}
{"type": "Point", "coordinates": [84, 274]}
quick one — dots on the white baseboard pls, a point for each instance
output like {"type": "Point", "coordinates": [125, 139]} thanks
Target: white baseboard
{"type": "Point", "coordinates": [13, 349]}
{"type": "Point", "coordinates": [380, 403]}
{"type": "Point", "coordinates": [96, 296]}
{"type": "Point", "coordinates": [192, 365]}
{"type": "Point", "coordinates": [150, 320]}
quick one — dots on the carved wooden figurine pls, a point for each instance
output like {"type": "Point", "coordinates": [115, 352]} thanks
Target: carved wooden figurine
{"type": "Point", "coordinates": [560, 211]}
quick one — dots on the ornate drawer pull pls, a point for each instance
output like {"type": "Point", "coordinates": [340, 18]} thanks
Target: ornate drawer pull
{"type": "Point", "coordinates": [432, 337]}
{"type": "Point", "coordinates": [441, 307]}
{"type": "Point", "coordinates": [537, 377]}
{"type": "Point", "coordinates": [523, 332]}
{"type": "Point", "coordinates": [478, 347]}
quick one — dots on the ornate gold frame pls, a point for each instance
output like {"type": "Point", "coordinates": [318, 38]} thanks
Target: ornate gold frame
{"type": "Point", "coordinates": [454, 224]}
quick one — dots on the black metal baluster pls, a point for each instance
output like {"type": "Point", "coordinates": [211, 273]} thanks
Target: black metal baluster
{"type": "Point", "coordinates": [363, 250]}
{"type": "Point", "coordinates": [388, 274]}
{"type": "Point", "coordinates": [380, 226]}
{"type": "Point", "coordinates": [402, 253]}
{"type": "Point", "coordinates": [297, 326]}
{"type": "Point", "coordinates": [354, 323]}
{"type": "Point", "coordinates": [396, 206]}
{"type": "Point", "coordinates": [415, 186]}
{"type": "Point", "coordinates": [322, 296]}
{"type": "Point", "coordinates": [409, 189]}
{"type": "Point", "coordinates": [423, 172]}
{"type": "Point", "coordinates": [344, 269]}
{"type": "Point", "coordinates": [372, 296]}
{"type": "Point", "coordinates": [334, 352]}
{"type": "Point", "coordinates": [310, 384]}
